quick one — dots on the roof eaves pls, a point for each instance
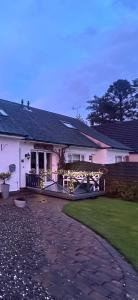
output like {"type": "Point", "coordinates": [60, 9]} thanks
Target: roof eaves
{"type": "Point", "coordinates": [61, 143]}
{"type": "Point", "coordinates": [12, 134]}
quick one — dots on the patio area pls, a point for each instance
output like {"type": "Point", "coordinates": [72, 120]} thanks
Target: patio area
{"type": "Point", "coordinates": [68, 184]}
{"type": "Point", "coordinates": [47, 255]}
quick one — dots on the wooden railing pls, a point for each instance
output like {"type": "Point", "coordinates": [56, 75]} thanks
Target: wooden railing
{"type": "Point", "coordinates": [33, 180]}
{"type": "Point", "coordinates": [72, 181]}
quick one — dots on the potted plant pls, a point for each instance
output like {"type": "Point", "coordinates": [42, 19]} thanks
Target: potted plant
{"type": "Point", "coordinates": [5, 186]}
{"type": "Point", "coordinates": [20, 202]}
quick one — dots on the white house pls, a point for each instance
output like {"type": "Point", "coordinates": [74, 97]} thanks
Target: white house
{"type": "Point", "coordinates": [31, 139]}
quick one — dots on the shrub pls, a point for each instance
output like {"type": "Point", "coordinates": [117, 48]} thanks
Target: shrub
{"type": "Point", "coordinates": [125, 190]}
{"type": "Point", "coordinates": [5, 176]}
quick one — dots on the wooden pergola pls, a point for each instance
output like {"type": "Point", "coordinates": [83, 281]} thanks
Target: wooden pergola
{"type": "Point", "coordinates": [74, 185]}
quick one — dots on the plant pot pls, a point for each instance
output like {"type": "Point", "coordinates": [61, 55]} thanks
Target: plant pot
{"type": "Point", "coordinates": [5, 190]}
{"type": "Point", "coordinates": [20, 202]}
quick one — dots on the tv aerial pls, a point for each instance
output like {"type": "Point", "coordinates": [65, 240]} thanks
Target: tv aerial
{"type": "Point", "coordinates": [76, 108]}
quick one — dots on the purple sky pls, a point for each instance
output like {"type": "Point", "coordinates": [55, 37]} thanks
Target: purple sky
{"type": "Point", "coordinates": [59, 53]}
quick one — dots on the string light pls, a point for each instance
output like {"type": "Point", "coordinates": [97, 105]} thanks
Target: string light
{"type": "Point", "coordinates": [71, 177]}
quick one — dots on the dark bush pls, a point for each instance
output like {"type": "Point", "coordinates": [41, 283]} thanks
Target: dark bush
{"type": "Point", "coordinates": [126, 190]}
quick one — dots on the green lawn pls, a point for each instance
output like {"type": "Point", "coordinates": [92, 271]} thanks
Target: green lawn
{"type": "Point", "coordinates": [116, 220]}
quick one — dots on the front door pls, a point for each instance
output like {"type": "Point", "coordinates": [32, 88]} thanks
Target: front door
{"type": "Point", "coordinates": [41, 162]}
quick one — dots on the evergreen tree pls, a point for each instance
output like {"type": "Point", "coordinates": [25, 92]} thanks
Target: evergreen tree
{"type": "Point", "coordinates": [118, 104]}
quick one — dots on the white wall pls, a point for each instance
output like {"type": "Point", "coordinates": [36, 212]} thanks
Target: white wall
{"type": "Point", "coordinates": [80, 150]}
{"type": "Point", "coordinates": [9, 154]}
{"type": "Point", "coordinates": [101, 156]}
{"type": "Point", "coordinates": [25, 164]}
{"type": "Point", "coordinates": [112, 153]}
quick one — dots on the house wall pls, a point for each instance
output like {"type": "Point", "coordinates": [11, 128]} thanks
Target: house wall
{"type": "Point", "coordinates": [112, 153]}
{"type": "Point", "coordinates": [100, 156]}
{"type": "Point", "coordinates": [9, 154]}
{"type": "Point", "coordinates": [13, 150]}
{"type": "Point", "coordinates": [107, 156]}
{"type": "Point", "coordinates": [87, 152]}
{"type": "Point", "coordinates": [133, 157]}
{"type": "Point", "coordinates": [25, 164]}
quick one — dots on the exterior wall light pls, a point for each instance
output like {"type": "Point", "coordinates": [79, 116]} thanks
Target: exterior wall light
{"type": "Point", "coordinates": [27, 155]}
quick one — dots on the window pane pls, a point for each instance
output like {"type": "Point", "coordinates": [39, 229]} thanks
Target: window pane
{"type": "Point", "coordinates": [33, 160]}
{"type": "Point", "coordinates": [76, 157]}
{"type": "Point", "coordinates": [126, 158]}
{"type": "Point", "coordinates": [118, 159]}
{"type": "Point", "coordinates": [69, 125]}
{"type": "Point", "coordinates": [49, 166]}
{"type": "Point", "coordinates": [69, 158]}
{"type": "Point", "coordinates": [91, 158]}
{"type": "Point", "coordinates": [41, 160]}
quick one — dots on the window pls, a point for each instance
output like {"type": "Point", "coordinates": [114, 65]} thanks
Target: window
{"type": "Point", "coordinates": [75, 157]}
{"type": "Point", "coordinates": [3, 113]}
{"type": "Point", "coordinates": [91, 158]}
{"type": "Point", "coordinates": [41, 161]}
{"type": "Point", "coordinates": [82, 158]}
{"type": "Point", "coordinates": [118, 159]}
{"type": "Point", "coordinates": [69, 158]}
{"type": "Point", "coordinates": [33, 161]}
{"type": "Point", "coordinates": [126, 158]}
{"type": "Point", "coordinates": [69, 125]}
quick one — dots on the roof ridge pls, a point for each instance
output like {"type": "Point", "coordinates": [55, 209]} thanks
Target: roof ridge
{"type": "Point", "coordinates": [13, 102]}
{"type": "Point", "coordinates": [114, 123]}
{"type": "Point", "coordinates": [36, 108]}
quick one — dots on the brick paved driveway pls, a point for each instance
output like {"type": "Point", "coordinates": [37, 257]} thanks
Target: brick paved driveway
{"type": "Point", "coordinates": [78, 264]}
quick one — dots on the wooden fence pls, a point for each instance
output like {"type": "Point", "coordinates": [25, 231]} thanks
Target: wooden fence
{"type": "Point", "coordinates": [127, 171]}
{"type": "Point", "coordinates": [121, 179]}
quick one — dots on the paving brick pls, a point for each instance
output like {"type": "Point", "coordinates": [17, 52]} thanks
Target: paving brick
{"type": "Point", "coordinates": [78, 264]}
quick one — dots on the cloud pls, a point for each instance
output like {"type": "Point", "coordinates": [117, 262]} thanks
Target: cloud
{"type": "Point", "coordinates": [61, 55]}
{"type": "Point", "coordinates": [116, 58]}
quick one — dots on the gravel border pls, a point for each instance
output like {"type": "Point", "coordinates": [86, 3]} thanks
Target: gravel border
{"type": "Point", "coordinates": [20, 260]}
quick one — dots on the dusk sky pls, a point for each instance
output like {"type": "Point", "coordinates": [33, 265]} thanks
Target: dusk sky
{"type": "Point", "coordinates": [59, 53]}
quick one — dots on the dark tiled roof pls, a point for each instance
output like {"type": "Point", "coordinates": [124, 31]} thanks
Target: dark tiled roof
{"type": "Point", "coordinates": [124, 132]}
{"type": "Point", "coordinates": [91, 131]}
{"type": "Point", "coordinates": [41, 125]}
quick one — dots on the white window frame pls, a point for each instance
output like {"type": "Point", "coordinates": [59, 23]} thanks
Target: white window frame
{"type": "Point", "coordinates": [71, 160]}
{"type": "Point", "coordinates": [126, 158]}
{"type": "Point", "coordinates": [69, 125]}
{"type": "Point", "coordinates": [3, 113]}
{"type": "Point", "coordinates": [118, 158]}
